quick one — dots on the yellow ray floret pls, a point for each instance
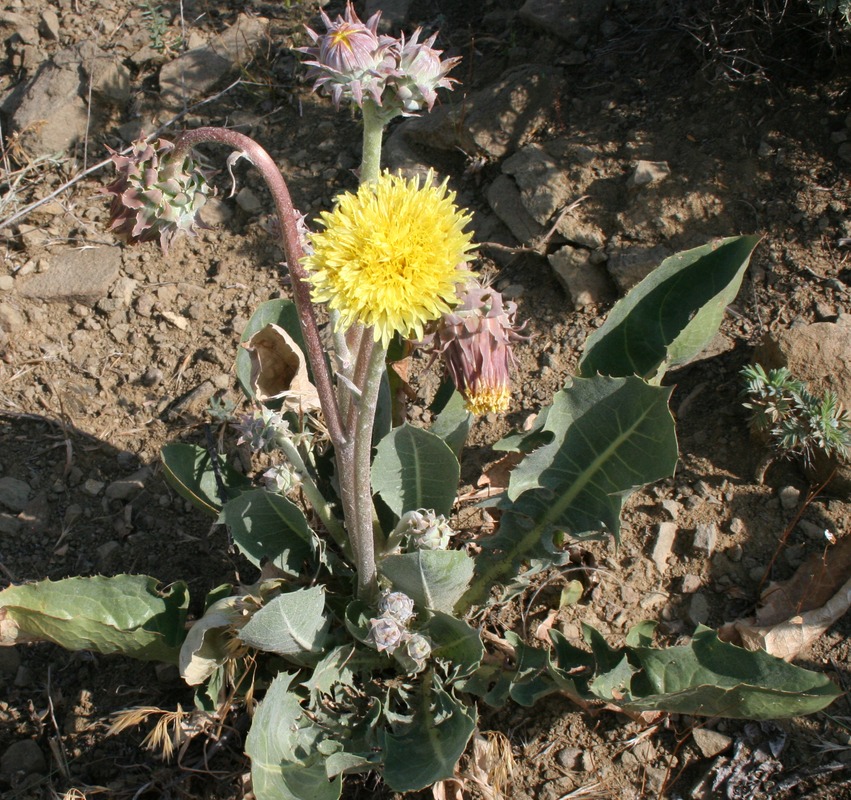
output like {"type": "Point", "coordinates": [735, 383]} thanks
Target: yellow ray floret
{"type": "Point", "coordinates": [391, 256]}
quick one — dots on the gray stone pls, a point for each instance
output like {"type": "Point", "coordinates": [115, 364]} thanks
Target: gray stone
{"type": "Point", "coordinates": [122, 290]}
{"type": "Point", "coordinates": [647, 172]}
{"type": "Point", "coordinates": [496, 120]}
{"type": "Point", "coordinates": [14, 493]}
{"type": "Point", "coordinates": [14, 24]}
{"type": "Point", "coordinates": [544, 186]}
{"type": "Point", "coordinates": [93, 487]}
{"type": "Point", "coordinates": [48, 111]}
{"type": "Point", "coordinates": [586, 283]}
{"type": "Point", "coordinates": [690, 584]}
{"type": "Point", "coordinates": [76, 276]}
{"type": "Point", "coordinates": [7, 283]}
{"type": "Point", "coordinates": [580, 232]}
{"type": "Point", "coordinates": [789, 497]}
{"type": "Point", "coordinates": [23, 758]}
{"type": "Point", "coordinates": [672, 507]}
{"type": "Point", "coordinates": [198, 70]}
{"type": "Point", "coordinates": [698, 609]}
{"type": "Point", "coordinates": [505, 200]}
{"type": "Point", "coordinates": [710, 743]}
{"type": "Point", "coordinates": [11, 319]}
{"type": "Point", "coordinates": [571, 20]}
{"type": "Point", "coordinates": [629, 266]}
{"type": "Point", "coordinates": [48, 25]}
{"type": "Point", "coordinates": [705, 538]}
{"type": "Point", "coordinates": [666, 533]}
{"type": "Point", "coordinates": [125, 488]}
{"type": "Point", "coordinates": [248, 201]}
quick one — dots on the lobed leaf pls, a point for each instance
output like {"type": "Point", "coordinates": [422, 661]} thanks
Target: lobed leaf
{"type": "Point", "coordinates": [283, 747]}
{"type": "Point", "coordinates": [124, 614]}
{"type": "Point", "coordinates": [670, 316]}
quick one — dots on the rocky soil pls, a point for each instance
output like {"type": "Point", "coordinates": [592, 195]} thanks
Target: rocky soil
{"type": "Point", "coordinates": [591, 139]}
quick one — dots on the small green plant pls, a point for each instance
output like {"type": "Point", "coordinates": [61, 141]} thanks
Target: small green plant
{"type": "Point", "coordinates": [162, 40]}
{"type": "Point", "coordinates": [359, 629]}
{"type": "Point", "coordinates": [797, 422]}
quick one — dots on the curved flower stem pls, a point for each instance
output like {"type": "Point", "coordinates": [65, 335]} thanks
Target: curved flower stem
{"type": "Point", "coordinates": [293, 251]}
{"type": "Point", "coordinates": [363, 538]}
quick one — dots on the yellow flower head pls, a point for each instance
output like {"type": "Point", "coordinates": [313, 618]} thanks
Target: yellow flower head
{"type": "Point", "coordinates": [391, 256]}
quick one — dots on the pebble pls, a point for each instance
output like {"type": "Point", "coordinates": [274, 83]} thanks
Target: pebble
{"type": "Point", "coordinates": [248, 201]}
{"type": "Point", "coordinates": [93, 487]}
{"type": "Point", "coordinates": [698, 609]}
{"type": "Point", "coordinates": [124, 488]}
{"type": "Point", "coordinates": [789, 497]}
{"type": "Point", "coordinates": [568, 757]}
{"type": "Point", "coordinates": [710, 743]}
{"type": "Point", "coordinates": [705, 538]}
{"type": "Point", "coordinates": [152, 377]}
{"type": "Point", "coordinates": [11, 319]}
{"type": "Point", "coordinates": [691, 583]}
{"type": "Point", "coordinates": [737, 526]}
{"type": "Point", "coordinates": [23, 758]}
{"type": "Point", "coordinates": [666, 532]}
{"type": "Point", "coordinates": [14, 493]}
{"type": "Point", "coordinates": [107, 553]}
{"type": "Point", "coordinates": [647, 172]}
{"type": "Point", "coordinates": [672, 507]}
{"type": "Point", "coordinates": [72, 514]}
{"type": "Point", "coordinates": [7, 283]}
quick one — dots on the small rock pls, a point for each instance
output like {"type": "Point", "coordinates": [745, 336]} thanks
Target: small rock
{"type": "Point", "coordinates": [49, 25]}
{"type": "Point", "coordinates": [735, 553]}
{"type": "Point", "coordinates": [93, 487]}
{"type": "Point", "coordinates": [691, 583]}
{"type": "Point", "coordinates": [585, 283]}
{"type": "Point", "coordinates": [11, 319]}
{"type": "Point", "coordinates": [709, 742]}
{"type": "Point", "coordinates": [179, 322]}
{"type": "Point", "coordinates": [737, 526]}
{"type": "Point", "coordinates": [123, 290]}
{"type": "Point", "coordinates": [7, 283]}
{"type": "Point", "coordinates": [698, 609]}
{"type": "Point", "coordinates": [248, 201]}
{"type": "Point", "coordinates": [666, 533]}
{"type": "Point", "coordinates": [789, 497]}
{"type": "Point", "coordinates": [14, 493]}
{"type": "Point", "coordinates": [145, 305]}
{"type": "Point", "coordinates": [568, 757]}
{"type": "Point", "coordinates": [505, 200]}
{"type": "Point", "coordinates": [107, 553]}
{"type": "Point", "coordinates": [811, 530]}
{"type": "Point", "coordinates": [23, 758]}
{"type": "Point", "coordinates": [125, 488]}
{"type": "Point", "coordinates": [72, 514]}
{"type": "Point", "coordinates": [647, 172]}
{"type": "Point", "coordinates": [76, 276]}
{"type": "Point", "coordinates": [672, 507]}
{"type": "Point", "coordinates": [705, 538]}
{"type": "Point", "coordinates": [152, 377]}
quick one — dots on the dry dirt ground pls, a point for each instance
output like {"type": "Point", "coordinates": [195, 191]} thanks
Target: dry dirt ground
{"type": "Point", "coordinates": [752, 128]}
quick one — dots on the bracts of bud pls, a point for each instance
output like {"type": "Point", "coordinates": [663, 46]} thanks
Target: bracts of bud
{"type": "Point", "coordinates": [475, 340]}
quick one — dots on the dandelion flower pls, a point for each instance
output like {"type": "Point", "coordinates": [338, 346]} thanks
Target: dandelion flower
{"type": "Point", "coordinates": [391, 256]}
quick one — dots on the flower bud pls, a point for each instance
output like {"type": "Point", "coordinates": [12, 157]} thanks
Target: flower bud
{"type": "Point", "coordinates": [263, 430]}
{"type": "Point", "coordinates": [385, 633]}
{"type": "Point", "coordinates": [424, 530]}
{"type": "Point", "coordinates": [396, 605]}
{"type": "Point", "coordinates": [351, 60]}
{"type": "Point", "coordinates": [281, 478]}
{"type": "Point", "coordinates": [418, 74]}
{"type": "Point", "coordinates": [418, 648]}
{"type": "Point", "coordinates": [156, 195]}
{"type": "Point", "coordinates": [475, 339]}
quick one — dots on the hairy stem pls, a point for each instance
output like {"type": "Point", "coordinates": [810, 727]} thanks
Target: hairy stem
{"type": "Point", "coordinates": [373, 130]}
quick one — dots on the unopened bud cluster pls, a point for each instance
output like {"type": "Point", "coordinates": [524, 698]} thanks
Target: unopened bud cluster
{"type": "Point", "coordinates": [354, 62]}
{"type": "Point", "coordinates": [157, 194]}
{"type": "Point", "coordinates": [263, 430]}
{"type": "Point", "coordinates": [389, 633]}
{"type": "Point", "coordinates": [423, 530]}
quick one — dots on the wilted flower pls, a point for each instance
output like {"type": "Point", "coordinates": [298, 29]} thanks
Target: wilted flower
{"type": "Point", "coordinates": [419, 73]}
{"type": "Point", "coordinates": [396, 605]}
{"type": "Point", "coordinates": [386, 633]}
{"type": "Point", "coordinates": [391, 256]}
{"type": "Point", "coordinates": [417, 647]}
{"type": "Point", "coordinates": [476, 339]}
{"type": "Point", "coordinates": [156, 195]}
{"type": "Point", "coordinates": [350, 58]}
{"type": "Point", "coordinates": [424, 530]}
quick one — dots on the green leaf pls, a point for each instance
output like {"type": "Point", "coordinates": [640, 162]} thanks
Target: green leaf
{"type": "Point", "coordinates": [609, 436]}
{"type": "Point", "coordinates": [189, 470]}
{"type": "Point", "coordinates": [672, 314]}
{"type": "Point", "coordinates": [414, 468]}
{"type": "Point", "coordinates": [433, 579]}
{"type": "Point", "coordinates": [455, 643]}
{"type": "Point", "coordinates": [124, 614]}
{"type": "Point", "coordinates": [292, 624]}
{"type": "Point", "coordinates": [453, 423]}
{"type": "Point", "coordinates": [283, 747]}
{"type": "Point", "coordinates": [426, 749]}
{"type": "Point", "coordinates": [279, 312]}
{"type": "Point", "coordinates": [268, 527]}
{"type": "Point", "coordinates": [708, 677]}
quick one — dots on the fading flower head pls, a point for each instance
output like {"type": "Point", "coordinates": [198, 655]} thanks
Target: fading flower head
{"type": "Point", "coordinates": [391, 256]}
{"type": "Point", "coordinates": [350, 59]}
{"type": "Point", "coordinates": [156, 196]}
{"type": "Point", "coordinates": [419, 73]}
{"type": "Point", "coordinates": [476, 340]}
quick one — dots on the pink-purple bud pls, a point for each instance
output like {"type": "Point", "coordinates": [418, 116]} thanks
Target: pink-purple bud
{"type": "Point", "coordinates": [419, 73]}
{"type": "Point", "coordinates": [386, 633]}
{"type": "Point", "coordinates": [156, 195]}
{"type": "Point", "coordinates": [476, 340]}
{"type": "Point", "coordinates": [396, 605]}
